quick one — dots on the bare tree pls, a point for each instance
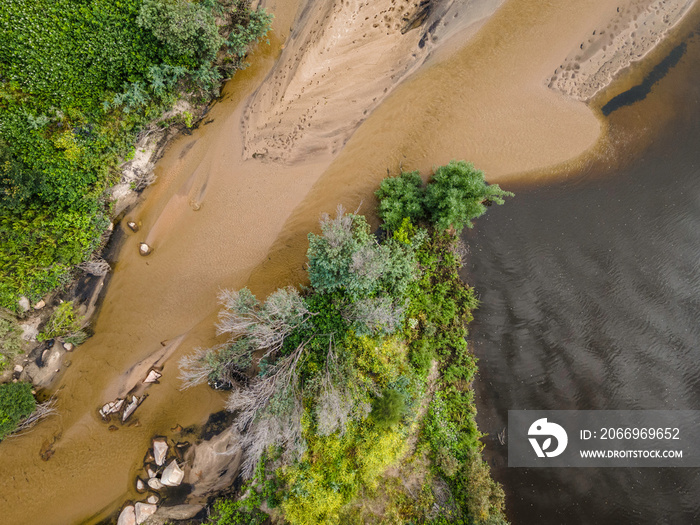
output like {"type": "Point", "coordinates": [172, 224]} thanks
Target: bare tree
{"type": "Point", "coordinates": [97, 266]}
{"type": "Point", "coordinates": [270, 412]}
{"type": "Point", "coordinates": [266, 325]}
{"type": "Point", "coordinates": [374, 315]}
{"type": "Point", "coordinates": [42, 411]}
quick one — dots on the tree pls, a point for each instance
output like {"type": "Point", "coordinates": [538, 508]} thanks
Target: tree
{"type": "Point", "coordinates": [347, 257]}
{"type": "Point", "coordinates": [187, 29]}
{"type": "Point", "coordinates": [399, 198]}
{"type": "Point", "coordinates": [458, 193]}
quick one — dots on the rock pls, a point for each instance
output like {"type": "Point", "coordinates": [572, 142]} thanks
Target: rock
{"type": "Point", "coordinates": [130, 408]}
{"type": "Point", "coordinates": [152, 377]}
{"type": "Point", "coordinates": [133, 226]}
{"type": "Point", "coordinates": [127, 516]}
{"type": "Point", "coordinates": [153, 499]}
{"type": "Point", "coordinates": [155, 484]}
{"type": "Point", "coordinates": [144, 249]}
{"type": "Point", "coordinates": [19, 369]}
{"type": "Point", "coordinates": [30, 329]}
{"type": "Point", "coordinates": [40, 305]}
{"type": "Point", "coordinates": [179, 512]}
{"type": "Point", "coordinates": [43, 376]}
{"type": "Point", "coordinates": [160, 450]}
{"type": "Point", "coordinates": [143, 511]}
{"type": "Point", "coordinates": [111, 226]}
{"type": "Point", "coordinates": [151, 473]}
{"type": "Point", "coordinates": [140, 485]}
{"type": "Point", "coordinates": [23, 304]}
{"type": "Point", "coordinates": [172, 475]}
{"type": "Point", "coordinates": [68, 346]}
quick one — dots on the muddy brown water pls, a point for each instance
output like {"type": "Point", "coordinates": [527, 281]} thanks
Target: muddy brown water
{"type": "Point", "coordinates": [590, 295]}
{"type": "Point", "coordinates": [216, 221]}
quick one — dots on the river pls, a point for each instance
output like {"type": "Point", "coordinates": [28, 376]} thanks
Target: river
{"type": "Point", "coordinates": [590, 290]}
{"type": "Point", "coordinates": [217, 220]}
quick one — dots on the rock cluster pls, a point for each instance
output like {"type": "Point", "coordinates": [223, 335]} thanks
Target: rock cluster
{"type": "Point", "coordinates": [158, 479]}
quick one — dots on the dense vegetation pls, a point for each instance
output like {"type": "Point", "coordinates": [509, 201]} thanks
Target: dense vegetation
{"type": "Point", "coordinates": [16, 403]}
{"type": "Point", "coordinates": [366, 369]}
{"type": "Point", "coordinates": [78, 80]}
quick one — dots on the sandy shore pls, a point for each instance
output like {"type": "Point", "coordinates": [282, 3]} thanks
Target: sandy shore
{"type": "Point", "coordinates": [637, 27]}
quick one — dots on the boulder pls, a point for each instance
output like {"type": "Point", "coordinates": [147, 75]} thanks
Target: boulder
{"type": "Point", "coordinates": [68, 347]}
{"type": "Point", "coordinates": [130, 408]}
{"type": "Point", "coordinates": [23, 304]}
{"type": "Point", "coordinates": [140, 485]}
{"type": "Point", "coordinates": [151, 473]}
{"type": "Point", "coordinates": [30, 329]}
{"type": "Point", "coordinates": [127, 516]}
{"type": "Point", "coordinates": [155, 484]}
{"type": "Point", "coordinates": [153, 499]}
{"type": "Point", "coordinates": [160, 450]}
{"type": "Point", "coordinates": [144, 249]}
{"type": "Point", "coordinates": [143, 511]}
{"type": "Point", "coordinates": [152, 377]}
{"type": "Point", "coordinates": [133, 226]}
{"type": "Point", "coordinates": [40, 305]}
{"type": "Point", "coordinates": [18, 369]}
{"type": "Point", "coordinates": [172, 475]}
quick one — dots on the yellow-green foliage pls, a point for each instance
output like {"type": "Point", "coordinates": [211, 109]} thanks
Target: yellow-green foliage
{"type": "Point", "coordinates": [385, 360]}
{"type": "Point", "coordinates": [63, 321]}
{"type": "Point", "coordinates": [335, 468]}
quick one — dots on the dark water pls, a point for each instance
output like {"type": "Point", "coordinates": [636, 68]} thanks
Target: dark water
{"type": "Point", "coordinates": [590, 292]}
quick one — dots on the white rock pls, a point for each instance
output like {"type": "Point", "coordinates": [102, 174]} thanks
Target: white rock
{"type": "Point", "coordinates": [140, 485]}
{"type": "Point", "coordinates": [130, 408]}
{"type": "Point", "coordinates": [151, 473]}
{"type": "Point", "coordinates": [118, 405]}
{"type": "Point", "coordinates": [19, 369]}
{"type": "Point", "coordinates": [143, 511]}
{"type": "Point", "coordinates": [133, 226]}
{"type": "Point", "coordinates": [31, 329]}
{"type": "Point", "coordinates": [153, 499]}
{"type": "Point", "coordinates": [144, 249]}
{"type": "Point", "coordinates": [160, 450]}
{"type": "Point", "coordinates": [152, 377]}
{"type": "Point", "coordinates": [23, 304]}
{"type": "Point", "coordinates": [68, 346]}
{"type": "Point", "coordinates": [172, 475]}
{"type": "Point", "coordinates": [155, 484]}
{"type": "Point", "coordinates": [106, 408]}
{"type": "Point", "coordinates": [127, 516]}
{"type": "Point", "coordinates": [40, 305]}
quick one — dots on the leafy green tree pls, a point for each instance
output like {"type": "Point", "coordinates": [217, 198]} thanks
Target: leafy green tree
{"type": "Point", "coordinates": [187, 29]}
{"type": "Point", "coordinates": [388, 409]}
{"type": "Point", "coordinates": [347, 257]}
{"type": "Point", "coordinates": [458, 193]}
{"type": "Point", "coordinates": [399, 198]}
{"type": "Point", "coordinates": [16, 403]}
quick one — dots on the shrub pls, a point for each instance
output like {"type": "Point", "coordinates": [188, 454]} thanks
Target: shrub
{"type": "Point", "coordinates": [458, 193]}
{"type": "Point", "coordinates": [400, 198]}
{"type": "Point", "coordinates": [10, 342]}
{"type": "Point", "coordinates": [63, 322]}
{"type": "Point", "coordinates": [388, 409]}
{"type": "Point", "coordinates": [16, 403]}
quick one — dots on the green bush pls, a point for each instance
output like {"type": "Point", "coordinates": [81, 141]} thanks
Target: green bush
{"type": "Point", "coordinates": [16, 403]}
{"type": "Point", "coordinates": [10, 342]}
{"type": "Point", "coordinates": [458, 193]}
{"type": "Point", "coordinates": [388, 409]}
{"type": "Point", "coordinates": [400, 198]}
{"type": "Point", "coordinates": [63, 322]}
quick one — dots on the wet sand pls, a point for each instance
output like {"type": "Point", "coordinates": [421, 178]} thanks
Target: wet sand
{"type": "Point", "coordinates": [219, 218]}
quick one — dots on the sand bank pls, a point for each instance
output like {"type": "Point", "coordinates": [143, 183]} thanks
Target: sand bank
{"type": "Point", "coordinates": [613, 44]}
{"type": "Point", "coordinates": [342, 59]}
